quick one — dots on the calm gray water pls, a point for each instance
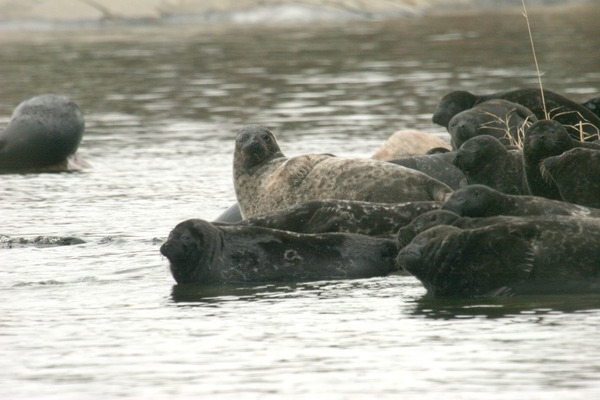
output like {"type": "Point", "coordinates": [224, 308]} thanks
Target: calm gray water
{"type": "Point", "coordinates": [162, 105]}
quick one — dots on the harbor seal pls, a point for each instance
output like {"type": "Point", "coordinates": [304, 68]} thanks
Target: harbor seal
{"type": "Point", "coordinates": [527, 256]}
{"type": "Point", "coordinates": [265, 180]}
{"type": "Point", "coordinates": [406, 143]}
{"type": "Point", "coordinates": [202, 253]}
{"type": "Point", "coordinates": [483, 201]}
{"type": "Point", "coordinates": [321, 216]}
{"type": "Point", "coordinates": [484, 160]}
{"type": "Point", "coordinates": [544, 139]}
{"type": "Point", "coordinates": [437, 165]}
{"type": "Point", "coordinates": [572, 115]}
{"type": "Point", "coordinates": [594, 105]}
{"type": "Point", "coordinates": [499, 118]}
{"type": "Point", "coordinates": [43, 133]}
{"type": "Point", "coordinates": [576, 174]}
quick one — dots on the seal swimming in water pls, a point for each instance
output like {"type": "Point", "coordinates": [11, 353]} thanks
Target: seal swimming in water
{"type": "Point", "coordinates": [576, 174]}
{"type": "Point", "coordinates": [43, 132]}
{"type": "Point", "coordinates": [485, 161]}
{"type": "Point", "coordinates": [200, 252]}
{"type": "Point", "coordinates": [265, 180]}
{"type": "Point", "coordinates": [569, 113]}
{"type": "Point", "coordinates": [321, 216]}
{"type": "Point", "coordinates": [483, 201]}
{"type": "Point", "coordinates": [544, 139]}
{"type": "Point", "coordinates": [498, 118]}
{"type": "Point", "coordinates": [530, 256]}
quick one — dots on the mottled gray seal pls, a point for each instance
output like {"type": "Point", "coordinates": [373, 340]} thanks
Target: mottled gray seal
{"type": "Point", "coordinates": [499, 118]}
{"type": "Point", "coordinates": [265, 180]}
{"type": "Point", "coordinates": [43, 132]}
{"type": "Point", "coordinates": [485, 161]}
{"type": "Point", "coordinates": [200, 252]}
{"type": "Point", "coordinates": [530, 256]}
{"type": "Point", "coordinates": [544, 139]}
{"type": "Point", "coordinates": [437, 165]}
{"type": "Point", "coordinates": [483, 201]}
{"type": "Point", "coordinates": [320, 216]}
{"type": "Point", "coordinates": [576, 174]}
{"type": "Point", "coordinates": [569, 113]}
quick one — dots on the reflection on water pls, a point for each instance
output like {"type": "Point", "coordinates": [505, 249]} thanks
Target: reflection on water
{"type": "Point", "coordinates": [162, 105]}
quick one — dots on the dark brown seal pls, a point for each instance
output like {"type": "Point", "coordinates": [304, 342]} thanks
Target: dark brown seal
{"type": "Point", "coordinates": [578, 119]}
{"type": "Point", "coordinates": [548, 255]}
{"type": "Point", "coordinates": [485, 161]}
{"type": "Point", "coordinates": [200, 252]}
{"type": "Point", "coordinates": [265, 180]}
{"type": "Point", "coordinates": [499, 118]}
{"type": "Point", "coordinates": [321, 216]}
{"type": "Point", "coordinates": [483, 201]}
{"type": "Point", "coordinates": [545, 139]}
{"type": "Point", "coordinates": [437, 165]}
{"type": "Point", "coordinates": [576, 174]}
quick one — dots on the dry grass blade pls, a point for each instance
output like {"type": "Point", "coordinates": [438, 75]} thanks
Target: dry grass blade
{"type": "Point", "coordinates": [535, 59]}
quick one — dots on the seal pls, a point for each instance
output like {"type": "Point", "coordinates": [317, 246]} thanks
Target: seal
{"type": "Point", "coordinates": [484, 160]}
{"type": "Point", "coordinates": [436, 165]}
{"type": "Point", "coordinates": [406, 143]}
{"type": "Point", "coordinates": [572, 115]}
{"type": "Point", "coordinates": [544, 139]}
{"type": "Point", "coordinates": [231, 215]}
{"type": "Point", "coordinates": [44, 131]}
{"type": "Point", "coordinates": [483, 201]}
{"type": "Point", "coordinates": [321, 216]}
{"type": "Point", "coordinates": [202, 253]}
{"type": "Point", "coordinates": [576, 175]}
{"type": "Point", "coordinates": [499, 118]}
{"type": "Point", "coordinates": [594, 105]}
{"type": "Point", "coordinates": [518, 257]}
{"type": "Point", "coordinates": [265, 180]}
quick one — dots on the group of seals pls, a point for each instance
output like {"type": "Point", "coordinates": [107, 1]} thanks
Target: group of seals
{"type": "Point", "coordinates": [44, 133]}
{"type": "Point", "coordinates": [201, 252]}
{"type": "Point", "coordinates": [265, 180]}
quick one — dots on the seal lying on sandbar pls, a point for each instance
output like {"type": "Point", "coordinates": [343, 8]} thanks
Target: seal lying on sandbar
{"type": "Point", "coordinates": [44, 131]}
{"type": "Point", "coordinates": [499, 118]}
{"type": "Point", "coordinates": [485, 161]}
{"type": "Point", "coordinates": [200, 252]}
{"type": "Point", "coordinates": [544, 139]}
{"type": "Point", "coordinates": [320, 216]}
{"type": "Point", "coordinates": [576, 174]}
{"type": "Point", "coordinates": [406, 143]}
{"type": "Point", "coordinates": [569, 113]}
{"type": "Point", "coordinates": [483, 201]}
{"type": "Point", "coordinates": [265, 180]}
{"type": "Point", "coordinates": [528, 256]}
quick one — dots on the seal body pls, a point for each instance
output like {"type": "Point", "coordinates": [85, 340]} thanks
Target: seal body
{"type": "Point", "coordinates": [499, 118]}
{"type": "Point", "coordinates": [576, 174]}
{"type": "Point", "coordinates": [265, 180]}
{"type": "Point", "coordinates": [202, 253]}
{"type": "Point", "coordinates": [544, 139]}
{"type": "Point", "coordinates": [321, 216]}
{"type": "Point", "coordinates": [594, 105]}
{"type": "Point", "coordinates": [437, 165]}
{"type": "Point", "coordinates": [483, 201]}
{"type": "Point", "coordinates": [43, 131]}
{"type": "Point", "coordinates": [406, 143]}
{"type": "Point", "coordinates": [485, 161]}
{"type": "Point", "coordinates": [572, 115]}
{"type": "Point", "coordinates": [529, 256]}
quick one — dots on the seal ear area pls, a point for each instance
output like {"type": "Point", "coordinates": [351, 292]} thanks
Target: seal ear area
{"type": "Point", "coordinates": [451, 104]}
{"type": "Point", "coordinates": [255, 144]}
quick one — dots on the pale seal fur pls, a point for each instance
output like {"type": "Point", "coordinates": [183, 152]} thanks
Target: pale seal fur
{"type": "Point", "coordinates": [265, 180]}
{"type": "Point", "coordinates": [406, 143]}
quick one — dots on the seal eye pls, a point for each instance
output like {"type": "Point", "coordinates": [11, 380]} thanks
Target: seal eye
{"type": "Point", "coordinates": [243, 137]}
{"type": "Point", "coordinates": [265, 137]}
